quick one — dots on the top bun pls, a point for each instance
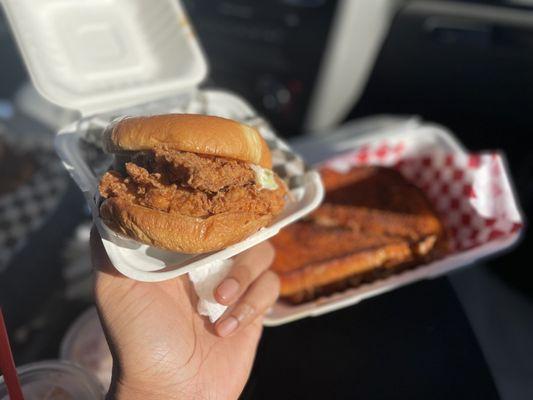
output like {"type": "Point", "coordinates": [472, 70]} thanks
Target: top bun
{"type": "Point", "coordinates": [201, 134]}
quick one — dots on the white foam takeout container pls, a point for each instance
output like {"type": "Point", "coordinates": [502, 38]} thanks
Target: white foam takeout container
{"type": "Point", "coordinates": [424, 138]}
{"type": "Point", "coordinates": [131, 57]}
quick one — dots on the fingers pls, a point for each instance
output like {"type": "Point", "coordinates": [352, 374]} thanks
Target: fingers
{"type": "Point", "coordinates": [246, 268]}
{"type": "Point", "coordinates": [259, 297]}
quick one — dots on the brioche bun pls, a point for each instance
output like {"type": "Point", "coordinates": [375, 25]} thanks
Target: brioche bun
{"type": "Point", "coordinates": [180, 233]}
{"type": "Point", "coordinates": [201, 134]}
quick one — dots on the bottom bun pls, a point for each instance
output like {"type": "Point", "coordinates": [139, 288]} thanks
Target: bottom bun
{"type": "Point", "coordinates": [180, 233]}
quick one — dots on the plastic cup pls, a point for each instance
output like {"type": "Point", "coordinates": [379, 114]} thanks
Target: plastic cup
{"type": "Point", "coordinates": [55, 380]}
{"type": "Point", "coordinates": [85, 344]}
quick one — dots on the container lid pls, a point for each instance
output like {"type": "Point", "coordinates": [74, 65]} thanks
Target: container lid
{"type": "Point", "coordinates": [103, 55]}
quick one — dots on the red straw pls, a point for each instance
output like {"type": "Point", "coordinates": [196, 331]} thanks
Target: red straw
{"type": "Point", "coordinates": [7, 364]}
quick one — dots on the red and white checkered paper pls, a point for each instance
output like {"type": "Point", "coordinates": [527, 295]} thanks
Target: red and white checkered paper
{"type": "Point", "coordinates": [471, 192]}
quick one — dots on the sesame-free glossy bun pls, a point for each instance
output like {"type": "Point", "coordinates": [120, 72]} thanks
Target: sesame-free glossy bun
{"type": "Point", "coordinates": [180, 233]}
{"type": "Point", "coordinates": [201, 134]}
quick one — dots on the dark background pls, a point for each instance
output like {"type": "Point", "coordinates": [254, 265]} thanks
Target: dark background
{"type": "Point", "coordinates": [466, 336]}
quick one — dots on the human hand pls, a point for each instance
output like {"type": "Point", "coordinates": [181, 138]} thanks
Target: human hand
{"type": "Point", "coordinates": [162, 348]}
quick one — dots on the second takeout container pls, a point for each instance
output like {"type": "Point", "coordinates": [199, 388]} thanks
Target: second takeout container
{"type": "Point", "coordinates": [113, 58]}
{"type": "Point", "coordinates": [482, 219]}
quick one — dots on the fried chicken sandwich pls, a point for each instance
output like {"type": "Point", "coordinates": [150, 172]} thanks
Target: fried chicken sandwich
{"type": "Point", "coordinates": [188, 183]}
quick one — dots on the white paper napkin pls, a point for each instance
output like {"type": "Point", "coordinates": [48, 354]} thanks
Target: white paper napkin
{"type": "Point", "coordinates": [205, 280]}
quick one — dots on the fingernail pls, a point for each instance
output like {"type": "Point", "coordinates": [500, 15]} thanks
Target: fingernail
{"type": "Point", "coordinates": [227, 326]}
{"type": "Point", "coordinates": [228, 289]}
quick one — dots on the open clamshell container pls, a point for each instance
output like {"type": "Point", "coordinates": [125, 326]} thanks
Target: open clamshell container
{"type": "Point", "coordinates": [133, 57]}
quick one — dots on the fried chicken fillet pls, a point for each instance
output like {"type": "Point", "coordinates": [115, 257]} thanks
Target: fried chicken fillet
{"type": "Point", "coordinates": [371, 224]}
{"type": "Point", "coordinates": [187, 201]}
{"type": "Point", "coordinates": [191, 184]}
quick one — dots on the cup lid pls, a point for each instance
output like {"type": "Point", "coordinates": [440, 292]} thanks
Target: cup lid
{"type": "Point", "coordinates": [101, 56]}
{"type": "Point", "coordinates": [52, 379]}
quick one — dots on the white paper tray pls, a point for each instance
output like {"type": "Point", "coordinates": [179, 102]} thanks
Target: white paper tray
{"type": "Point", "coordinates": [427, 137]}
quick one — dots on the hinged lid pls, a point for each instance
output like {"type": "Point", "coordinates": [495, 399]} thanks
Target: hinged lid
{"type": "Point", "coordinates": [101, 55]}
